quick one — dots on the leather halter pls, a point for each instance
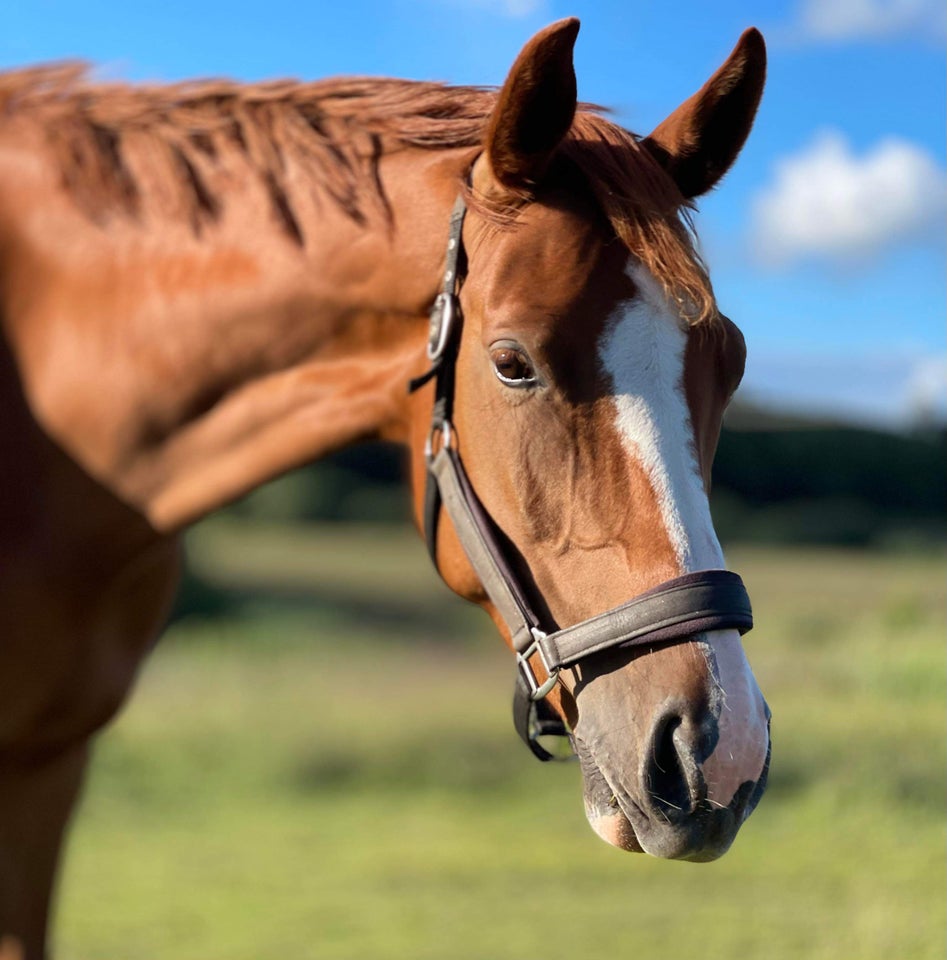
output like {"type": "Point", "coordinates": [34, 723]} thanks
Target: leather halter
{"type": "Point", "coordinates": [675, 611]}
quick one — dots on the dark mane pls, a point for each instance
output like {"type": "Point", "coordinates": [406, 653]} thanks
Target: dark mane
{"type": "Point", "coordinates": [118, 146]}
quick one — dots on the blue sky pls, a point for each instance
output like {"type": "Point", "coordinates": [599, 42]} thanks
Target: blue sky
{"type": "Point", "coordinates": [827, 240]}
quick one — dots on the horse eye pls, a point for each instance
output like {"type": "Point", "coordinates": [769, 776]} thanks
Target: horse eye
{"type": "Point", "coordinates": [512, 366]}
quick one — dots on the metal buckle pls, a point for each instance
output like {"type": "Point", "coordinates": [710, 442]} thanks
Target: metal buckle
{"type": "Point", "coordinates": [554, 737]}
{"type": "Point", "coordinates": [447, 438]}
{"type": "Point", "coordinates": [442, 319]}
{"type": "Point", "coordinates": [537, 690]}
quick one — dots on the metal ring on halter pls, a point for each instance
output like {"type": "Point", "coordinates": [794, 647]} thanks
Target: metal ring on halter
{"type": "Point", "coordinates": [442, 319]}
{"type": "Point", "coordinates": [537, 690]}
{"type": "Point", "coordinates": [447, 438]}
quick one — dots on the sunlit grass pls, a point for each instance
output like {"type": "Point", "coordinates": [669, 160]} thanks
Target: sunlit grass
{"type": "Point", "coordinates": [343, 781]}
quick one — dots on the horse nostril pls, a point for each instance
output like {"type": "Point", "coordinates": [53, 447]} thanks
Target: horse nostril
{"type": "Point", "coordinates": [671, 777]}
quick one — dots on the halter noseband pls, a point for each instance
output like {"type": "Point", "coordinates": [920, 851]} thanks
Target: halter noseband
{"type": "Point", "coordinates": [675, 611]}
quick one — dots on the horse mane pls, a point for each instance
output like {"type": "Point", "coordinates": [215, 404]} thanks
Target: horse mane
{"type": "Point", "coordinates": [118, 145]}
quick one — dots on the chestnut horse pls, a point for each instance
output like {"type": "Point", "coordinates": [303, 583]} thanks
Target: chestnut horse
{"type": "Point", "coordinates": [205, 285]}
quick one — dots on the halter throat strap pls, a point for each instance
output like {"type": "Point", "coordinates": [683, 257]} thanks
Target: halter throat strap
{"type": "Point", "coordinates": [675, 611]}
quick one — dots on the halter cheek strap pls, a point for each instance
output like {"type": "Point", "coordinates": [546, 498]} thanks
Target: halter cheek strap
{"type": "Point", "coordinates": [675, 611]}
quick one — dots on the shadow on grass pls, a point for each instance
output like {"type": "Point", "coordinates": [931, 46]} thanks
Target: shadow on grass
{"type": "Point", "coordinates": [467, 762]}
{"type": "Point", "coordinates": [405, 617]}
{"type": "Point", "coordinates": [903, 780]}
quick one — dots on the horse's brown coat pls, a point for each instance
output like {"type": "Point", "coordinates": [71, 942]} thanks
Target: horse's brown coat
{"type": "Point", "coordinates": [205, 285]}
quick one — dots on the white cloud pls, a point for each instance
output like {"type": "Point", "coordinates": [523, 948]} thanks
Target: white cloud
{"type": "Point", "coordinates": [925, 393]}
{"type": "Point", "coordinates": [827, 203]}
{"type": "Point", "coordinates": [894, 387]}
{"type": "Point", "coordinates": [839, 20]}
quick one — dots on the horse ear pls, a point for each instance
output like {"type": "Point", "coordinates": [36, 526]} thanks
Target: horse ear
{"type": "Point", "coordinates": [534, 109]}
{"type": "Point", "coordinates": [698, 143]}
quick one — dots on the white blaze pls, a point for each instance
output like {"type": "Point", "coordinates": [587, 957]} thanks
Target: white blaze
{"type": "Point", "coordinates": [642, 351]}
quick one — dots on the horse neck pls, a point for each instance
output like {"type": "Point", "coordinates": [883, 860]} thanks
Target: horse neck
{"type": "Point", "coordinates": [211, 365]}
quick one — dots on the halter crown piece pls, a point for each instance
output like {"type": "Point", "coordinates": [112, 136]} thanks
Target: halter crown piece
{"type": "Point", "coordinates": [675, 611]}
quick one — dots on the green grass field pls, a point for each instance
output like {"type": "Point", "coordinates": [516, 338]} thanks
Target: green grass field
{"type": "Point", "coordinates": [330, 772]}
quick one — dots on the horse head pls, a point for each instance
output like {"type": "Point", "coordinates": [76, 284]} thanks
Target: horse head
{"type": "Point", "coordinates": [591, 377]}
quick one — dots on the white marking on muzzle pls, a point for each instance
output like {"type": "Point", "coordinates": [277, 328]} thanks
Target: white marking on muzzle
{"type": "Point", "coordinates": [742, 725]}
{"type": "Point", "coordinates": [642, 351]}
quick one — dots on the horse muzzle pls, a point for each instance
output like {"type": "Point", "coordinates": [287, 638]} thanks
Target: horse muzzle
{"type": "Point", "coordinates": [680, 785]}
{"type": "Point", "coordinates": [696, 831]}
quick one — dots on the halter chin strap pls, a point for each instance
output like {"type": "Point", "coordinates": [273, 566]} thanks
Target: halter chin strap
{"type": "Point", "coordinates": [675, 611]}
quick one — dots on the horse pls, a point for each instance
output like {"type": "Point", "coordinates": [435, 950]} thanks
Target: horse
{"type": "Point", "coordinates": [206, 284]}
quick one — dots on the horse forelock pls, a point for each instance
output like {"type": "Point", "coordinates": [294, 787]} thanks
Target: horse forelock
{"type": "Point", "coordinates": [643, 206]}
{"type": "Point", "coordinates": [122, 147]}
{"type": "Point", "coordinates": [645, 209]}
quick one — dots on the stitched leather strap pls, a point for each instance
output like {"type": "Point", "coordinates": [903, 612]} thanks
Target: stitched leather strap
{"type": "Point", "coordinates": [474, 530]}
{"type": "Point", "coordinates": [674, 610]}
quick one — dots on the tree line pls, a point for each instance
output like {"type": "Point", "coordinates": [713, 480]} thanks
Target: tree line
{"type": "Point", "coordinates": [775, 479]}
